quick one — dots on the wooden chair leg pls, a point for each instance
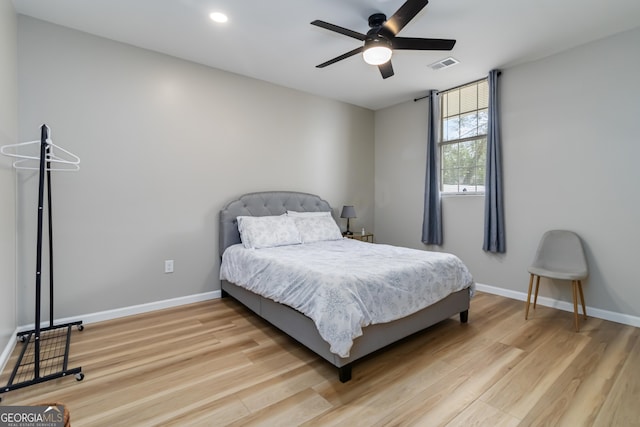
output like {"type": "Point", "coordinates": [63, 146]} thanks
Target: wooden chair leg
{"type": "Point", "coordinates": [526, 307]}
{"type": "Point", "coordinates": [535, 298]}
{"type": "Point", "coordinates": [574, 285]}
{"type": "Point", "coordinates": [584, 307]}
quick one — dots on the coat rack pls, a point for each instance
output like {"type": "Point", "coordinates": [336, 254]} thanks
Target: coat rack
{"type": "Point", "coordinates": [45, 350]}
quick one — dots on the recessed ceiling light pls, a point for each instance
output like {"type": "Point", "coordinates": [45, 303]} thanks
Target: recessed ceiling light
{"type": "Point", "coordinates": [218, 17]}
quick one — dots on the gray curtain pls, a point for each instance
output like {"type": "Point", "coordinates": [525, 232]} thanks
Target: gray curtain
{"type": "Point", "coordinates": [432, 221]}
{"type": "Point", "coordinates": [494, 238]}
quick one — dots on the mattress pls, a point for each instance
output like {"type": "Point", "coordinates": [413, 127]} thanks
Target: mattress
{"type": "Point", "coordinates": [345, 285]}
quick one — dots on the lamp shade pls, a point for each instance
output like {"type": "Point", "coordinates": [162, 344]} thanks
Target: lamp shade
{"type": "Point", "coordinates": [348, 212]}
{"type": "Point", "coordinates": [377, 51]}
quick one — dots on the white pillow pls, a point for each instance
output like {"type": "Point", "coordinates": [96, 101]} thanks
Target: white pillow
{"type": "Point", "coordinates": [267, 231]}
{"type": "Point", "coordinates": [308, 214]}
{"type": "Point", "coordinates": [317, 228]}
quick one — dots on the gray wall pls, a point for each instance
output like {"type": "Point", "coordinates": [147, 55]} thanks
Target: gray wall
{"type": "Point", "coordinates": [570, 145]}
{"type": "Point", "coordinates": [8, 135]}
{"type": "Point", "coordinates": [164, 145]}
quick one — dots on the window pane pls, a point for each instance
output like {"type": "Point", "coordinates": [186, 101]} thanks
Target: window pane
{"type": "Point", "coordinates": [449, 156]}
{"type": "Point", "coordinates": [449, 167]}
{"type": "Point", "coordinates": [483, 94]}
{"type": "Point", "coordinates": [483, 122]}
{"type": "Point", "coordinates": [467, 154]}
{"type": "Point", "coordinates": [467, 176]}
{"type": "Point", "coordinates": [480, 176]}
{"type": "Point", "coordinates": [451, 128]}
{"type": "Point", "coordinates": [481, 149]}
{"type": "Point", "coordinates": [450, 180]}
{"type": "Point", "coordinates": [468, 98]}
{"type": "Point", "coordinates": [453, 103]}
{"type": "Point", "coordinates": [469, 125]}
{"type": "Point", "coordinates": [443, 105]}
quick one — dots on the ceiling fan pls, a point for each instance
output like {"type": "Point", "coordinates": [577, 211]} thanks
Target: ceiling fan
{"type": "Point", "coordinates": [381, 40]}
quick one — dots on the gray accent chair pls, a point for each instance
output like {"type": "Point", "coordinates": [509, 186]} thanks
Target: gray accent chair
{"type": "Point", "coordinates": [560, 256]}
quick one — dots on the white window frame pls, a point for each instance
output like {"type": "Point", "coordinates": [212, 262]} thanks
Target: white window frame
{"type": "Point", "coordinates": [456, 141]}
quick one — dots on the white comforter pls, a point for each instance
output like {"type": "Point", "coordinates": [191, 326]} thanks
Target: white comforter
{"type": "Point", "coordinates": [345, 285]}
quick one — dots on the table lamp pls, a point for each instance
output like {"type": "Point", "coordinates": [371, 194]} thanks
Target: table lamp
{"type": "Point", "coordinates": [348, 212]}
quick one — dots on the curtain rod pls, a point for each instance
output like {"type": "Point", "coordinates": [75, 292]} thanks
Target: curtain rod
{"type": "Point", "coordinates": [452, 88]}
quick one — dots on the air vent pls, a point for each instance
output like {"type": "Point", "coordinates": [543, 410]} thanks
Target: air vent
{"type": "Point", "coordinates": [447, 62]}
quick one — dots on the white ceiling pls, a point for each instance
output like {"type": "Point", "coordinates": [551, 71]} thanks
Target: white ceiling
{"type": "Point", "coordinates": [274, 41]}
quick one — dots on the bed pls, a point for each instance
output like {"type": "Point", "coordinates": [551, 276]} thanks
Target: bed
{"type": "Point", "coordinates": [372, 334]}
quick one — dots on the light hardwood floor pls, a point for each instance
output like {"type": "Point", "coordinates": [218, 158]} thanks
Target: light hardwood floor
{"type": "Point", "coordinates": [215, 364]}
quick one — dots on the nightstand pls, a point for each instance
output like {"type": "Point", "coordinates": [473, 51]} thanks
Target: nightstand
{"type": "Point", "coordinates": [367, 237]}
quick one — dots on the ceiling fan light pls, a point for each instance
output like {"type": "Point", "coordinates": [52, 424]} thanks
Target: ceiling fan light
{"type": "Point", "coordinates": [377, 55]}
{"type": "Point", "coordinates": [218, 17]}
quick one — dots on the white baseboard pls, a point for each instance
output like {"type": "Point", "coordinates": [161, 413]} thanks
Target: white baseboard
{"type": "Point", "coordinates": [129, 311]}
{"type": "Point", "coordinates": [109, 315]}
{"type": "Point", "coordinates": [6, 353]}
{"type": "Point", "coordinates": [562, 305]}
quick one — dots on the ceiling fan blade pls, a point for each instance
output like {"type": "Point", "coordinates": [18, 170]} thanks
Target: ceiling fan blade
{"type": "Point", "coordinates": [386, 69]}
{"type": "Point", "coordinates": [412, 43]}
{"type": "Point", "coordinates": [403, 15]}
{"type": "Point", "coordinates": [341, 57]}
{"type": "Point", "coordinates": [337, 29]}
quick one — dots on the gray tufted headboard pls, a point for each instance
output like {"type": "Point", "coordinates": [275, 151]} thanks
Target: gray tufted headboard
{"type": "Point", "coordinates": [263, 204]}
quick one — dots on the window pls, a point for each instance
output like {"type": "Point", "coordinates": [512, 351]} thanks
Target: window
{"type": "Point", "coordinates": [463, 140]}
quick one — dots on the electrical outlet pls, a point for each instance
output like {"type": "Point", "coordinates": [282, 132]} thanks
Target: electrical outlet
{"type": "Point", "coordinates": [168, 266]}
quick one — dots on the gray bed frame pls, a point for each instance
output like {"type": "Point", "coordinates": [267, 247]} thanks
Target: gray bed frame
{"type": "Point", "coordinates": [296, 324]}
